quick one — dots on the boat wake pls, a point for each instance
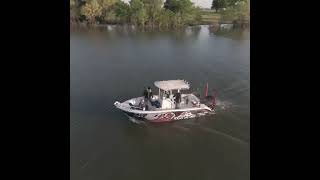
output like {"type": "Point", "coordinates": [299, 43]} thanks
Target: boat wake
{"type": "Point", "coordinates": [228, 136]}
{"type": "Point", "coordinates": [223, 105]}
{"type": "Point", "coordinates": [211, 131]}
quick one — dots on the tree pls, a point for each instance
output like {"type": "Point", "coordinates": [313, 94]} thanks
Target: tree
{"type": "Point", "coordinates": [106, 4]}
{"type": "Point", "coordinates": [242, 10]}
{"type": "Point", "coordinates": [185, 6]}
{"type": "Point", "coordinates": [91, 10]}
{"type": "Point", "coordinates": [238, 12]}
{"type": "Point", "coordinates": [194, 16]}
{"type": "Point", "coordinates": [72, 3]}
{"type": "Point", "coordinates": [153, 9]}
{"type": "Point", "coordinates": [81, 2]}
{"type": "Point", "coordinates": [74, 10]}
{"type": "Point", "coordinates": [183, 9]}
{"type": "Point", "coordinates": [179, 6]}
{"type": "Point", "coordinates": [107, 9]}
{"type": "Point", "coordinates": [137, 12]}
{"type": "Point", "coordinates": [122, 11]}
{"type": "Point", "coordinates": [218, 4]}
{"type": "Point", "coordinates": [165, 18]}
{"type": "Point", "coordinates": [171, 5]}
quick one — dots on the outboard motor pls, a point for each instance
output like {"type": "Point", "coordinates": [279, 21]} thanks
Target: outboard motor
{"type": "Point", "coordinates": [209, 100]}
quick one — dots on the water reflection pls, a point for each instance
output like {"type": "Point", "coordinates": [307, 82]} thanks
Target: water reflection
{"type": "Point", "coordinates": [179, 36]}
{"type": "Point", "coordinates": [233, 33]}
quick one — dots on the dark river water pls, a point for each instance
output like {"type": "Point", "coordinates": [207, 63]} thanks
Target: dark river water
{"type": "Point", "coordinates": [115, 64]}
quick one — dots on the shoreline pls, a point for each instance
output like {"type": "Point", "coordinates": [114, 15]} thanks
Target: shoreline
{"type": "Point", "coordinates": [216, 25]}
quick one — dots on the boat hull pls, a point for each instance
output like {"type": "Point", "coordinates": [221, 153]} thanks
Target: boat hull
{"type": "Point", "coordinates": [168, 116]}
{"type": "Point", "coordinates": [132, 109]}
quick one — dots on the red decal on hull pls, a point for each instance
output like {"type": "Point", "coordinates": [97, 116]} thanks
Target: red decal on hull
{"type": "Point", "coordinates": [164, 117]}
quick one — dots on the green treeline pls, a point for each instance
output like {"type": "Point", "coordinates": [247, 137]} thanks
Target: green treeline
{"type": "Point", "coordinates": [232, 10]}
{"type": "Point", "coordinates": [153, 13]}
{"type": "Point", "coordinates": [145, 13]}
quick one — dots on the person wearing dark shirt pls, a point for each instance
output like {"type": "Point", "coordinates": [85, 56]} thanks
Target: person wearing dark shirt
{"type": "Point", "coordinates": [149, 93]}
{"type": "Point", "coordinates": [177, 97]}
{"type": "Point", "coordinates": [145, 93]}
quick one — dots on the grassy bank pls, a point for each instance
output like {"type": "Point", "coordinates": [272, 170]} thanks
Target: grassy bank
{"type": "Point", "coordinates": [168, 14]}
{"type": "Point", "coordinates": [209, 17]}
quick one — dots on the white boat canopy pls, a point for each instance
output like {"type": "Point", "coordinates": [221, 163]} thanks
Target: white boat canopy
{"type": "Point", "coordinates": [172, 85]}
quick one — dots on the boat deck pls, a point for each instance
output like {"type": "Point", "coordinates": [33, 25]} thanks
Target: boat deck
{"type": "Point", "coordinates": [187, 101]}
{"type": "Point", "coordinates": [135, 105]}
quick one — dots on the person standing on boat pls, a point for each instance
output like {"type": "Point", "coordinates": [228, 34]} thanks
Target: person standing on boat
{"type": "Point", "coordinates": [149, 93]}
{"type": "Point", "coordinates": [167, 94]}
{"type": "Point", "coordinates": [178, 99]}
{"type": "Point", "coordinates": [187, 100]}
{"type": "Point", "coordinates": [145, 93]}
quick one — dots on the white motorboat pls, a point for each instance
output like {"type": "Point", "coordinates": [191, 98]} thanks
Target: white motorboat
{"type": "Point", "coordinates": [168, 105]}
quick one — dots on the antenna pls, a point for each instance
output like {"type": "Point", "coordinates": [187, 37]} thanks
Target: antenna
{"type": "Point", "coordinates": [206, 90]}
